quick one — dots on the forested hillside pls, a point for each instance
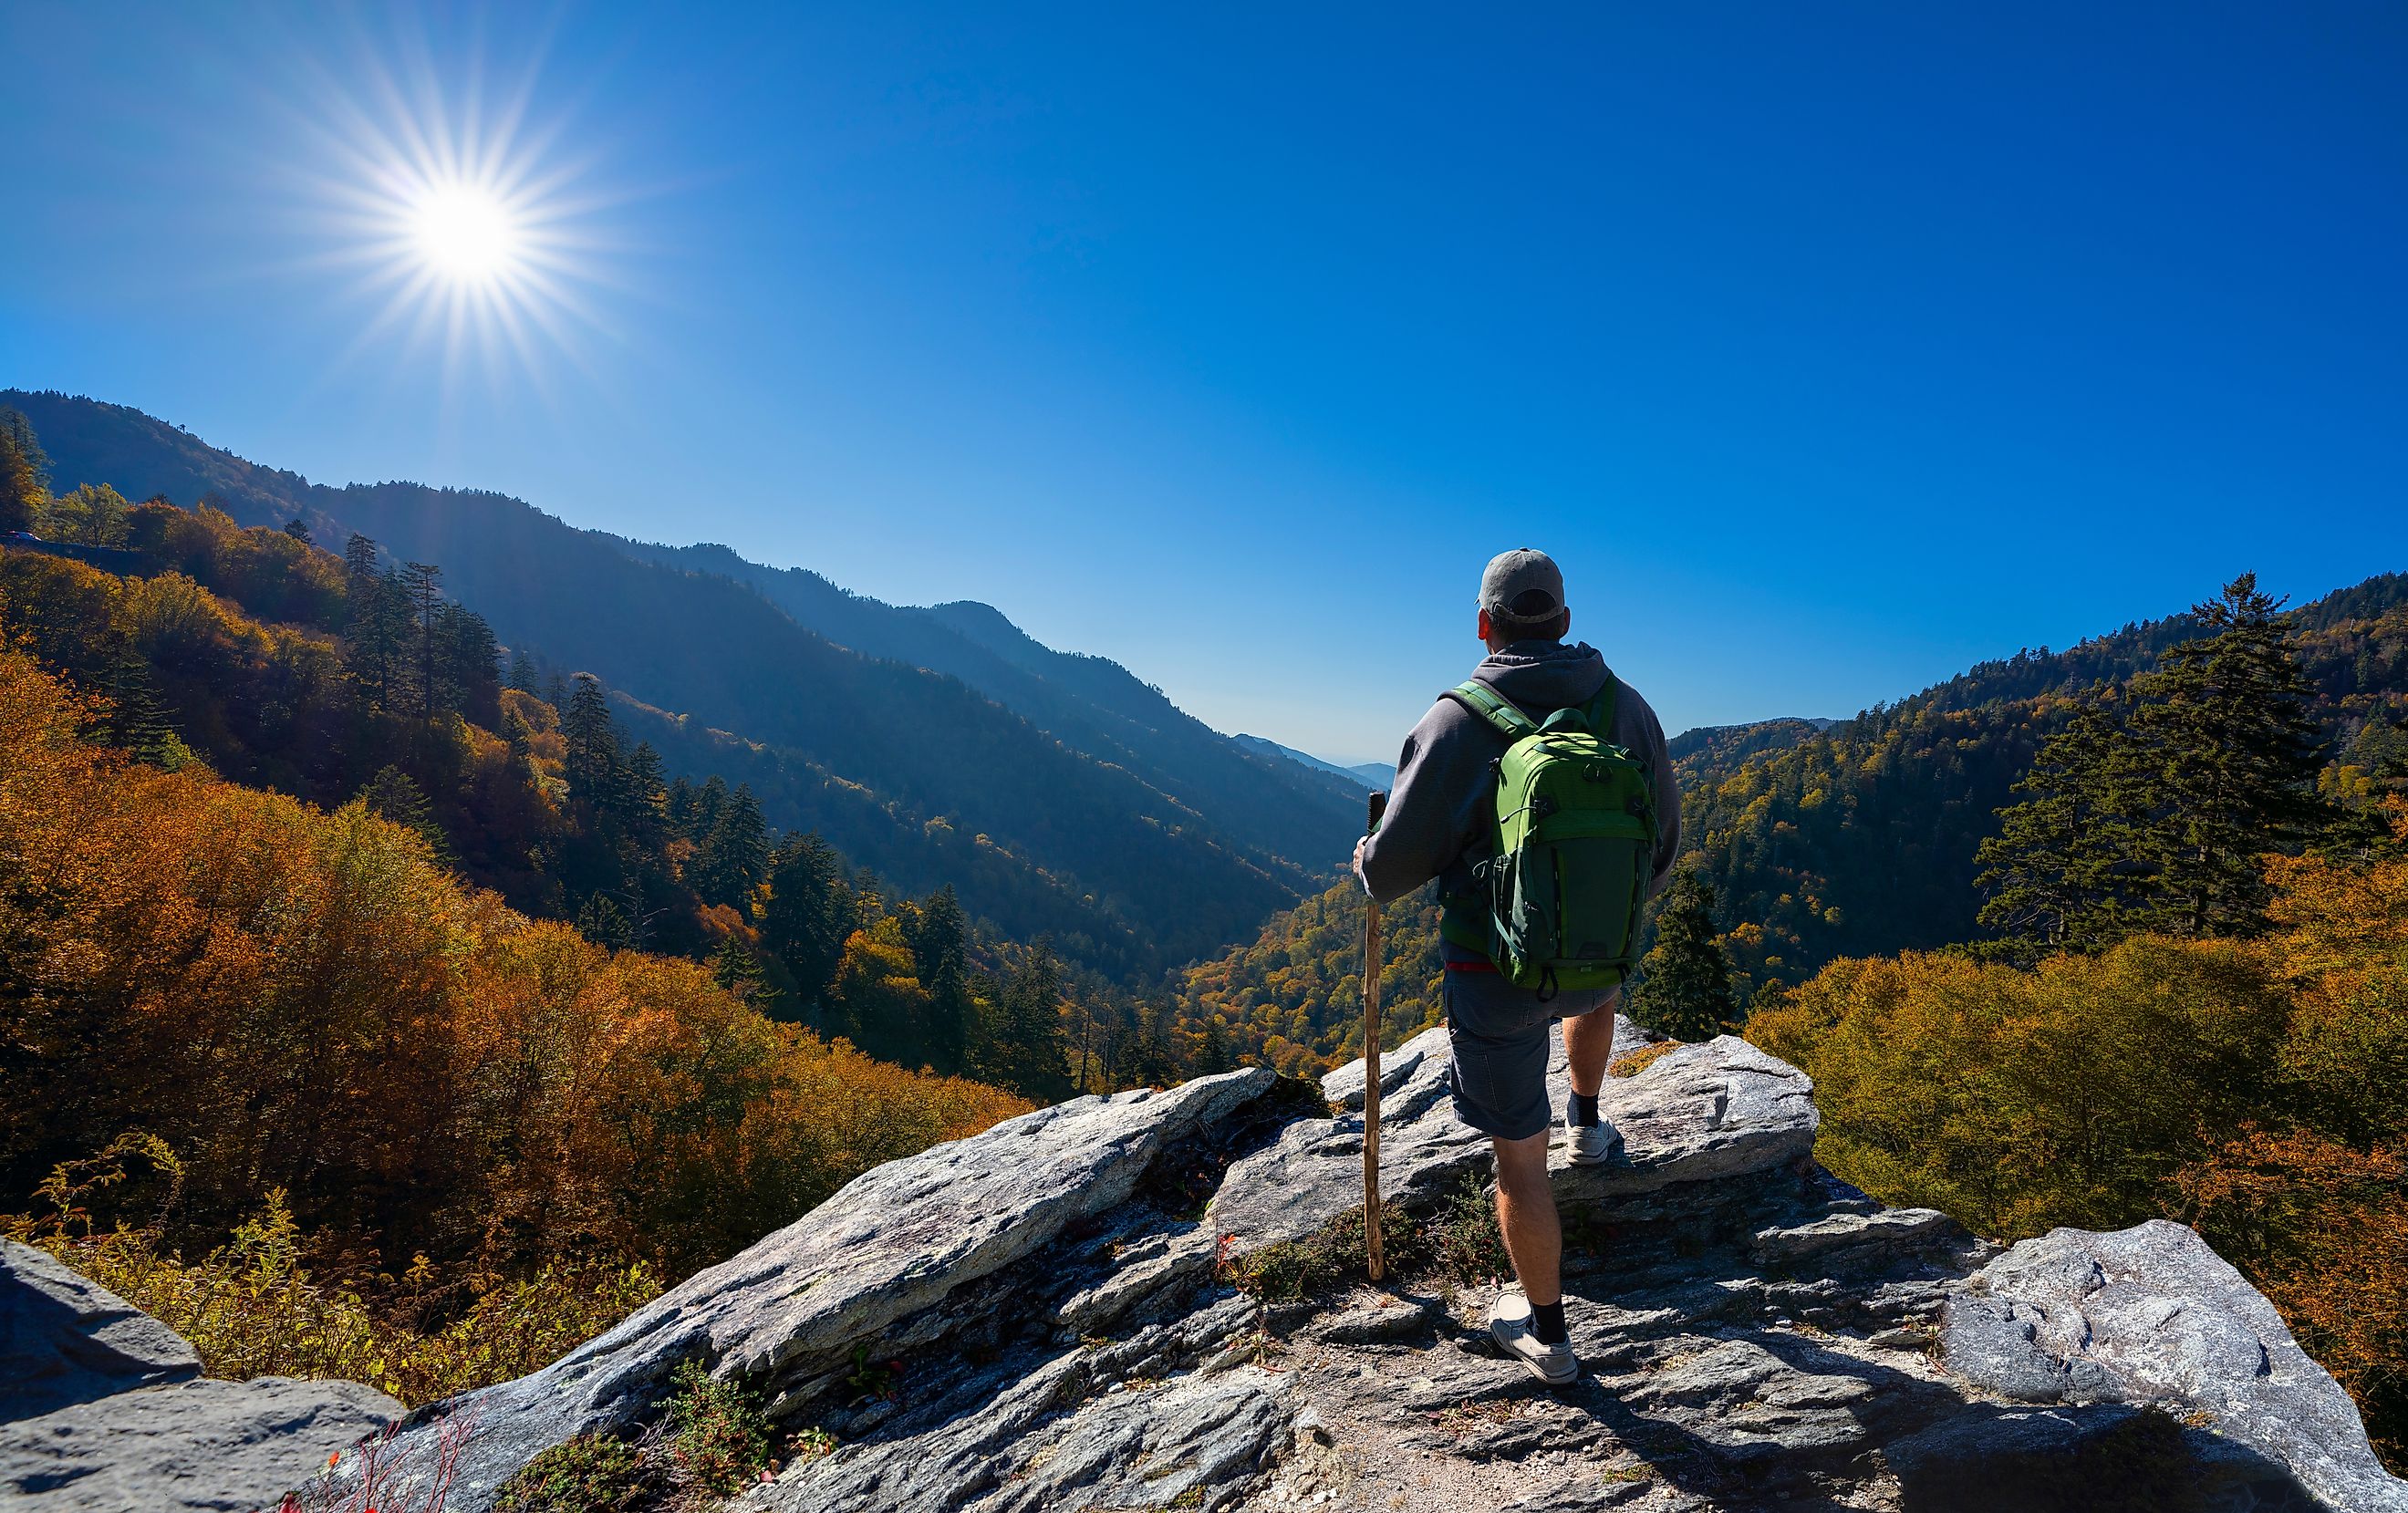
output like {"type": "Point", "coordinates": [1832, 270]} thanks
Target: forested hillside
{"type": "Point", "coordinates": [1134, 835]}
{"type": "Point", "coordinates": [372, 685]}
{"type": "Point", "coordinates": [1861, 840]}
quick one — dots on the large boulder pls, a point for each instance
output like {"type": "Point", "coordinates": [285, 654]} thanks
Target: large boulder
{"type": "Point", "coordinates": [1700, 1113]}
{"type": "Point", "coordinates": [884, 1252]}
{"type": "Point", "coordinates": [194, 1446]}
{"type": "Point", "coordinates": [2151, 1314]}
{"type": "Point", "coordinates": [101, 1410]}
{"type": "Point", "coordinates": [66, 1339]}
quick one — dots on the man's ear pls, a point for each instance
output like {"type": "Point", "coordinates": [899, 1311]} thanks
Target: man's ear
{"type": "Point", "coordinates": [1566, 634]}
{"type": "Point", "coordinates": [1484, 631]}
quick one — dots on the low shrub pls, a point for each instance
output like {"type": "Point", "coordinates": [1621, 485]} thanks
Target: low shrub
{"type": "Point", "coordinates": [590, 1474]}
{"type": "Point", "coordinates": [717, 1430]}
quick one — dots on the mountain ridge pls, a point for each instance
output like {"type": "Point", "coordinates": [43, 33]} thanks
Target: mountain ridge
{"type": "Point", "coordinates": [1166, 824]}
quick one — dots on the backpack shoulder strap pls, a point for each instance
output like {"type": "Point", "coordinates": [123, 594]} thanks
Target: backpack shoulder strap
{"type": "Point", "coordinates": [1493, 707]}
{"type": "Point", "coordinates": [1600, 708]}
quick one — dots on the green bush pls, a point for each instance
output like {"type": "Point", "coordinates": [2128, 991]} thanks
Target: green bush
{"type": "Point", "coordinates": [590, 1474]}
{"type": "Point", "coordinates": [717, 1430]}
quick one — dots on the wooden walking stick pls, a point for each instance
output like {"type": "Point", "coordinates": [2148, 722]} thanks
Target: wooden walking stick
{"type": "Point", "coordinates": [1371, 1061]}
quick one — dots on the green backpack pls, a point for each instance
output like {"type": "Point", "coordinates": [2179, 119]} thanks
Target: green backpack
{"type": "Point", "coordinates": [1557, 887]}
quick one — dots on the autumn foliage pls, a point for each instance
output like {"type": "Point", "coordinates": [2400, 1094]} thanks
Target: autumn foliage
{"type": "Point", "coordinates": [2256, 1089]}
{"type": "Point", "coordinates": [301, 1001]}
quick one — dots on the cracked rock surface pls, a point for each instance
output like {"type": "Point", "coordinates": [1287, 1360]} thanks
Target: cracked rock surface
{"type": "Point", "coordinates": [1049, 1325]}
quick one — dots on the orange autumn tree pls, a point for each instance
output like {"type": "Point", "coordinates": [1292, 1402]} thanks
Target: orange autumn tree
{"type": "Point", "coordinates": [301, 1000]}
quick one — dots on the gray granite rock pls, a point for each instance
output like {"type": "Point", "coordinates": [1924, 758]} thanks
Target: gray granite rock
{"type": "Point", "coordinates": [1699, 1113]}
{"type": "Point", "coordinates": [1754, 1333]}
{"type": "Point", "coordinates": [2151, 1314]}
{"type": "Point", "coordinates": [892, 1243]}
{"type": "Point", "coordinates": [224, 1447]}
{"type": "Point", "coordinates": [66, 1339]}
{"type": "Point", "coordinates": [1196, 1441]}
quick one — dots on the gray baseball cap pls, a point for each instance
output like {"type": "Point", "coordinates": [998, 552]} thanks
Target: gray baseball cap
{"type": "Point", "coordinates": [1523, 585]}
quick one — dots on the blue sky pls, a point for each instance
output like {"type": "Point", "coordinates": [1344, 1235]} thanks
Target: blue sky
{"type": "Point", "coordinates": [1830, 348]}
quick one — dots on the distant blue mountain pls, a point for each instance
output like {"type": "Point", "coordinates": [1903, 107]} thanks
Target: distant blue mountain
{"type": "Point", "coordinates": [1370, 774]}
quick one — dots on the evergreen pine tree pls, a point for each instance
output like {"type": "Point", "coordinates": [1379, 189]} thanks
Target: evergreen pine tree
{"type": "Point", "coordinates": [591, 763]}
{"type": "Point", "coordinates": [1023, 1043]}
{"type": "Point", "coordinates": [735, 853]}
{"type": "Point", "coordinates": [642, 789]}
{"type": "Point", "coordinates": [521, 670]}
{"type": "Point", "coordinates": [22, 496]}
{"type": "Point", "coordinates": [298, 529]}
{"type": "Point", "coordinates": [601, 920]}
{"type": "Point", "coordinates": [394, 795]}
{"type": "Point", "coordinates": [466, 678]}
{"type": "Point", "coordinates": [421, 583]}
{"type": "Point", "coordinates": [2234, 758]}
{"type": "Point", "coordinates": [734, 967]}
{"type": "Point", "coordinates": [1685, 980]}
{"type": "Point", "coordinates": [135, 724]}
{"type": "Point", "coordinates": [2061, 873]}
{"type": "Point", "coordinates": [807, 915]}
{"type": "Point", "coordinates": [939, 939]}
{"type": "Point", "coordinates": [14, 427]}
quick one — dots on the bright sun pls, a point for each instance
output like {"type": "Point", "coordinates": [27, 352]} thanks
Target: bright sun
{"type": "Point", "coordinates": [465, 233]}
{"type": "Point", "coordinates": [476, 238]}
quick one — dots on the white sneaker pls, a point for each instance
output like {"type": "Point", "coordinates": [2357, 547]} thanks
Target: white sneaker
{"type": "Point", "coordinates": [1592, 1145]}
{"type": "Point", "coordinates": [1508, 1325]}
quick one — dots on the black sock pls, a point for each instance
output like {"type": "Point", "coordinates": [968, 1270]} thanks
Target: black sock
{"type": "Point", "coordinates": [1585, 1110]}
{"type": "Point", "coordinates": [1547, 1322]}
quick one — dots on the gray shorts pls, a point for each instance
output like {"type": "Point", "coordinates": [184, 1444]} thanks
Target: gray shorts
{"type": "Point", "coordinates": [1501, 1036]}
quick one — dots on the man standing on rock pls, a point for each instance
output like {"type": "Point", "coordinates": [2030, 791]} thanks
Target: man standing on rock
{"type": "Point", "coordinates": [1442, 821]}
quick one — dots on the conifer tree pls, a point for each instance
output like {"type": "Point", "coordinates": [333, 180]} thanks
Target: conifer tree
{"type": "Point", "coordinates": [1685, 981]}
{"type": "Point", "coordinates": [733, 854]}
{"type": "Point", "coordinates": [2062, 873]}
{"type": "Point", "coordinates": [601, 920]}
{"type": "Point", "coordinates": [522, 671]}
{"type": "Point", "coordinates": [421, 583]}
{"type": "Point", "coordinates": [807, 914]}
{"type": "Point", "coordinates": [14, 427]}
{"type": "Point", "coordinates": [466, 655]}
{"type": "Point", "coordinates": [641, 790]}
{"type": "Point", "coordinates": [298, 529]}
{"type": "Point", "coordinates": [591, 763]}
{"type": "Point", "coordinates": [22, 493]}
{"type": "Point", "coordinates": [939, 938]}
{"type": "Point", "coordinates": [734, 967]}
{"type": "Point", "coordinates": [136, 722]}
{"type": "Point", "coordinates": [1022, 1049]}
{"type": "Point", "coordinates": [394, 795]}
{"type": "Point", "coordinates": [2234, 758]}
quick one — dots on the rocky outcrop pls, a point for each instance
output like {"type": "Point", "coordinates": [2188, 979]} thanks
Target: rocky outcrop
{"type": "Point", "coordinates": [929, 1260]}
{"type": "Point", "coordinates": [2152, 1314]}
{"type": "Point", "coordinates": [102, 1408]}
{"type": "Point", "coordinates": [65, 1340]}
{"type": "Point", "coordinates": [1042, 1317]}
{"type": "Point", "coordinates": [1702, 1113]}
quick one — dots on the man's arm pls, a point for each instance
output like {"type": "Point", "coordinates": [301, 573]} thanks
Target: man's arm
{"type": "Point", "coordinates": [1428, 822]}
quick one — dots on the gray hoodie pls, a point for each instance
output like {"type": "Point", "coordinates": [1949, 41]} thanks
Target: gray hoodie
{"type": "Point", "coordinates": [1439, 808]}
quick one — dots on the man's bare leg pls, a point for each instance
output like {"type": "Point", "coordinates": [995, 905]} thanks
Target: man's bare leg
{"type": "Point", "coordinates": [1526, 1212]}
{"type": "Point", "coordinates": [1588, 1045]}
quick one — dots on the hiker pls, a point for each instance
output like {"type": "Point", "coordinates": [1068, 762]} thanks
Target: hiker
{"type": "Point", "coordinates": [1443, 820]}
